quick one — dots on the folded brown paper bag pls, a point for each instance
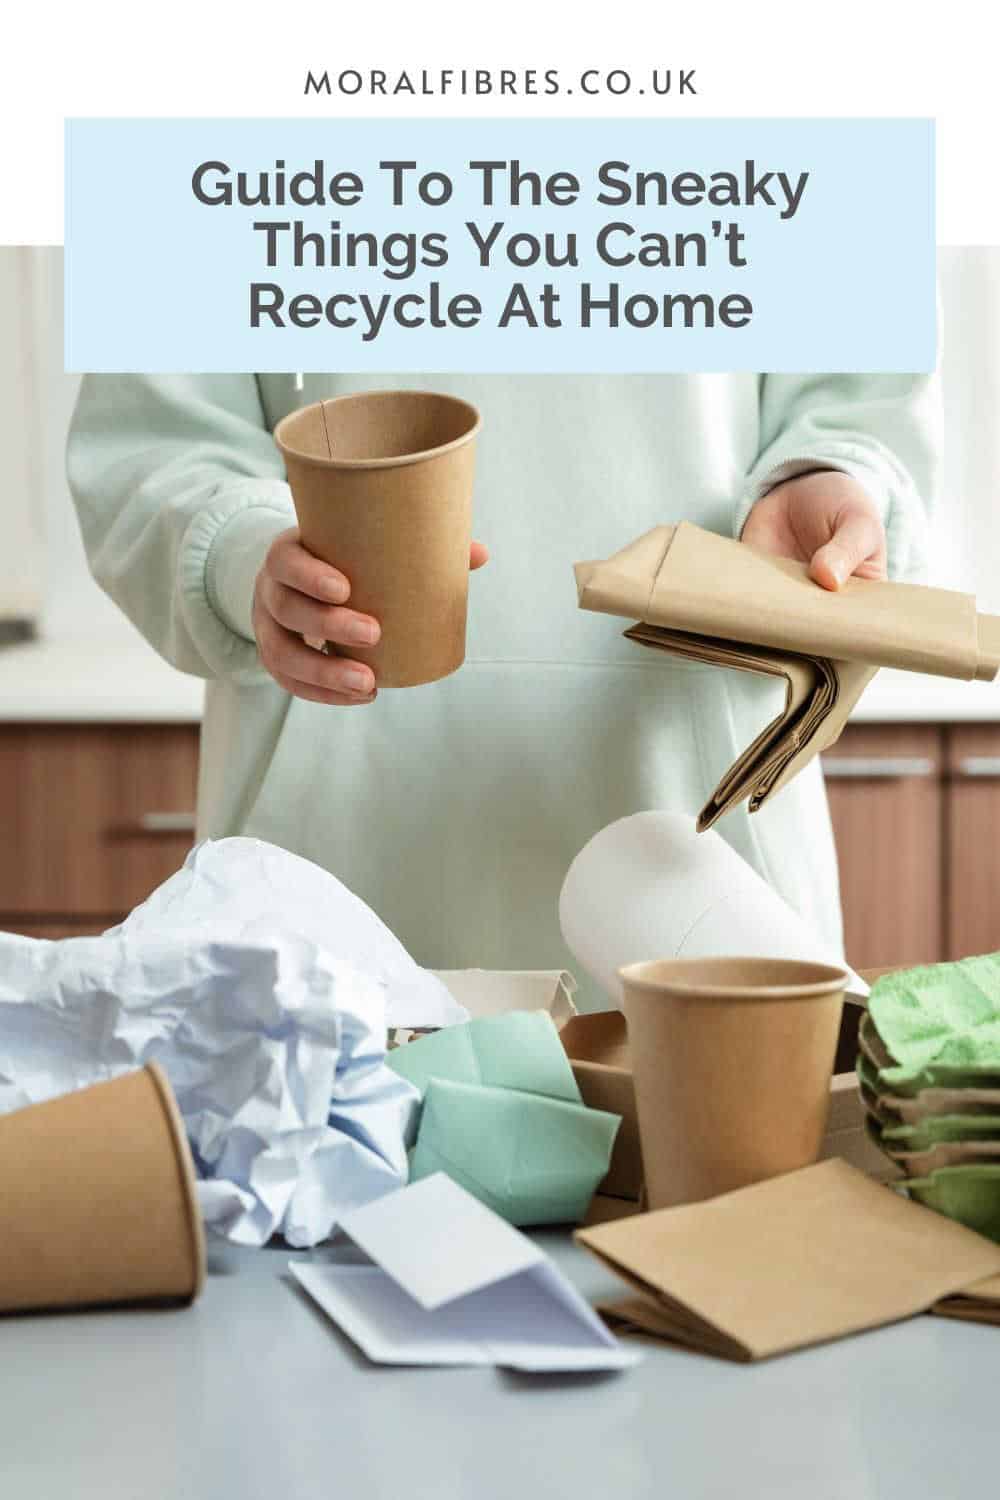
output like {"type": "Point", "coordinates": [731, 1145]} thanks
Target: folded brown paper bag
{"type": "Point", "coordinates": [712, 599]}
{"type": "Point", "coordinates": [978, 1303]}
{"type": "Point", "coordinates": [798, 1260]}
{"type": "Point", "coordinates": [98, 1199]}
{"type": "Point", "coordinates": [382, 485]}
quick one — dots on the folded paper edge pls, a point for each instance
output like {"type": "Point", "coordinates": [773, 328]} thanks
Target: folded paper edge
{"type": "Point", "coordinates": [988, 642]}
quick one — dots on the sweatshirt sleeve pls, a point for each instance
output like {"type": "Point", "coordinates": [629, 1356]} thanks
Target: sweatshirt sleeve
{"type": "Point", "coordinates": [179, 491]}
{"type": "Point", "coordinates": [883, 430]}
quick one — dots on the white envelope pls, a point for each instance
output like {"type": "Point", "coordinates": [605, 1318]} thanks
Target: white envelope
{"type": "Point", "coordinates": [454, 1284]}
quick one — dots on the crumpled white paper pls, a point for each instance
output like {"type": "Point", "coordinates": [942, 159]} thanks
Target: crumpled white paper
{"type": "Point", "coordinates": [274, 1043]}
{"type": "Point", "coordinates": [247, 882]}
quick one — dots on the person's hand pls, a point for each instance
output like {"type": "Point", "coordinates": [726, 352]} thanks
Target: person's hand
{"type": "Point", "coordinates": [298, 598]}
{"type": "Point", "coordinates": [824, 519]}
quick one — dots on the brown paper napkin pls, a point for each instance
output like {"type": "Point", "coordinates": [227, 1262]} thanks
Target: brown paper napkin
{"type": "Point", "coordinates": [979, 1303]}
{"type": "Point", "coordinates": [712, 599]}
{"type": "Point", "coordinates": [819, 697]}
{"type": "Point", "coordinates": [798, 1260]}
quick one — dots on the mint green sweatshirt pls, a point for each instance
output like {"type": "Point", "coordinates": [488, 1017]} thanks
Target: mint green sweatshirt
{"type": "Point", "coordinates": [455, 809]}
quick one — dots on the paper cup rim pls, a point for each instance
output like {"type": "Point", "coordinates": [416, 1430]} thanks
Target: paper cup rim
{"type": "Point", "coordinates": [653, 977]}
{"type": "Point", "coordinates": [393, 461]}
{"type": "Point", "coordinates": [185, 1168]}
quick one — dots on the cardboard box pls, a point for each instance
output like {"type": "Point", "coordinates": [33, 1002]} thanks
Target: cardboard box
{"type": "Point", "coordinates": [846, 1135]}
{"type": "Point", "coordinates": [597, 1047]}
{"type": "Point", "coordinates": [605, 1210]}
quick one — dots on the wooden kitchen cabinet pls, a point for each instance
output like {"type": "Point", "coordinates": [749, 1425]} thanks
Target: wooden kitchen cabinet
{"type": "Point", "coordinates": [886, 790]}
{"type": "Point", "coordinates": [973, 850]}
{"type": "Point", "coordinates": [916, 815]}
{"type": "Point", "coordinates": [53, 928]}
{"type": "Point", "coordinates": [93, 818]}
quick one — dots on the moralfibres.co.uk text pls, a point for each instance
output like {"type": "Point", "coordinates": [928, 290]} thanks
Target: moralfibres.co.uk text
{"type": "Point", "coordinates": [497, 83]}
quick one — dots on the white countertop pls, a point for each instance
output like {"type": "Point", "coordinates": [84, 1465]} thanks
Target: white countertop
{"type": "Point", "coordinates": [121, 681]}
{"type": "Point", "coordinates": [910, 698]}
{"type": "Point", "coordinates": [900, 1413]}
{"type": "Point", "coordinates": [94, 681]}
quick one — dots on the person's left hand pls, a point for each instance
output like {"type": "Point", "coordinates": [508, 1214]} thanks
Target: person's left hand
{"type": "Point", "coordinates": [825, 519]}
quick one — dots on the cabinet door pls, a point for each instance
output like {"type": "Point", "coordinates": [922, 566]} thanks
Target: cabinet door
{"type": "Point", "coordinates": [885, 788]}
{"type": "Point", "coordinates": [973, 886]}
{"type": "Point", "coordinates": [93, 817]}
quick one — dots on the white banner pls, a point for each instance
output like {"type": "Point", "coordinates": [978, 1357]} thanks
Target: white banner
{"type": "Point", "coordinates": [774, 58]}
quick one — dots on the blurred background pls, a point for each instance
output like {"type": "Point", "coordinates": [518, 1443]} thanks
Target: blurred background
{"type": "Point", "coordinates": [98, 737]}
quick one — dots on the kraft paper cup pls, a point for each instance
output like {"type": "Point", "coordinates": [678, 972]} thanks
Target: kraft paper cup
{"type": "Point", "coordinates": [382, 485]}
{"type": "Point", "coordinates": [732, 1060]}
{"type": "Point", "coordinates": [98, 1197]}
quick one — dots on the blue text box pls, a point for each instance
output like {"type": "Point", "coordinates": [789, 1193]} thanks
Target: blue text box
{"type": "Point", "coordinates": [840, 279]}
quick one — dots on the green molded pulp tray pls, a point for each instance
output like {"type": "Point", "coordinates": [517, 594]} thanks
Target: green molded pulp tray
{"type": "Point", "coordinates": [968, 1194]}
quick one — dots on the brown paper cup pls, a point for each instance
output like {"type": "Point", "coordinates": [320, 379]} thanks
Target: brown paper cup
{"type": "Point", "coordinates": [98, 1198]}
{"type": "Point", "coordinates": [732, 1059]}
{"type": "Point", "coordinates": [382, 485]}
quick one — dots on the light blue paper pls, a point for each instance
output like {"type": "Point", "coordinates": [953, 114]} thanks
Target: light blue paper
{"type": "Point", "coordinates": [532, 1160]}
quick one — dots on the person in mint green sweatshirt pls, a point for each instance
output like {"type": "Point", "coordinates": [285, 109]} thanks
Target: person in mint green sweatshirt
{"type": "Point", "coordinates": [454, 809]}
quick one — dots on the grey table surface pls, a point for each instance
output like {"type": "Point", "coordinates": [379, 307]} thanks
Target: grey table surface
{"type": "Point", "coordinates": [252, 1392]}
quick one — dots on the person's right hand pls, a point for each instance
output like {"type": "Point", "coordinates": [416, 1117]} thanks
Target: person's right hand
{"type": "Point", "coordinates": [297, 595]}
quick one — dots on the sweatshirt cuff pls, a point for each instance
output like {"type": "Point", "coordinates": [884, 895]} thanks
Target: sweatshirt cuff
{"type": "Point", "coordinates": [235, 558]}
{"type": "Point", "coordinates": [844, 461]}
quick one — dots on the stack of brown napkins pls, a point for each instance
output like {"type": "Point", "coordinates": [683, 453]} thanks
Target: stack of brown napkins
{"type": "Point", "coordinates": [810, 1256]}
{"type": "Point", "coordinates": [711, 599]}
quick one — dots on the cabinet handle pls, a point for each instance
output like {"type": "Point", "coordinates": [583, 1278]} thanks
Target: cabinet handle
{"type": "Point", "coordinates": [166, 822]}
{"type": "Point", "coordinates": [979, 765]}
{"type": "Point", "coordinates": [879, 767]}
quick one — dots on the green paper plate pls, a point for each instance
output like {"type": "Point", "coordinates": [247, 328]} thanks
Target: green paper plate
{"type": "Point", "coordinates": [938, 1025]}
{"type": "Point", "coordinates": [948, 1154]}
{"type": "Point", "coordinates": [937, 1129]}
{"type": "Point", "coordinates": [872, 1047]}
{"type": "Point", "coordinates": [897, 1109]}
{"type": "Point", "coordinates": [867, 1074]}
{"type": "Point", "coordinates": [969, 1195]}
{"type": "Point", "coordinates": [889, 1079]}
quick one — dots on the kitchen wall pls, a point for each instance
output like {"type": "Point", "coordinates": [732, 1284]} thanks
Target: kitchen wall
{"type": "Point", "coordinates": [21, 527]}
{"type": "Point", "coordinates": [966, 547]}
{"type": "Point", "coordinates": [34, 432]}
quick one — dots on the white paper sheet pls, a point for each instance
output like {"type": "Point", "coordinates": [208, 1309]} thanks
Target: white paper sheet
{"type": "Point", "coordinates": [493, 992]}
{"type": "Point", "coordinates": [454, 1284]}
{"type": "Point", "coordinates": [650, 886]}
{"type": "Point", "coordinates": [245, 883]}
